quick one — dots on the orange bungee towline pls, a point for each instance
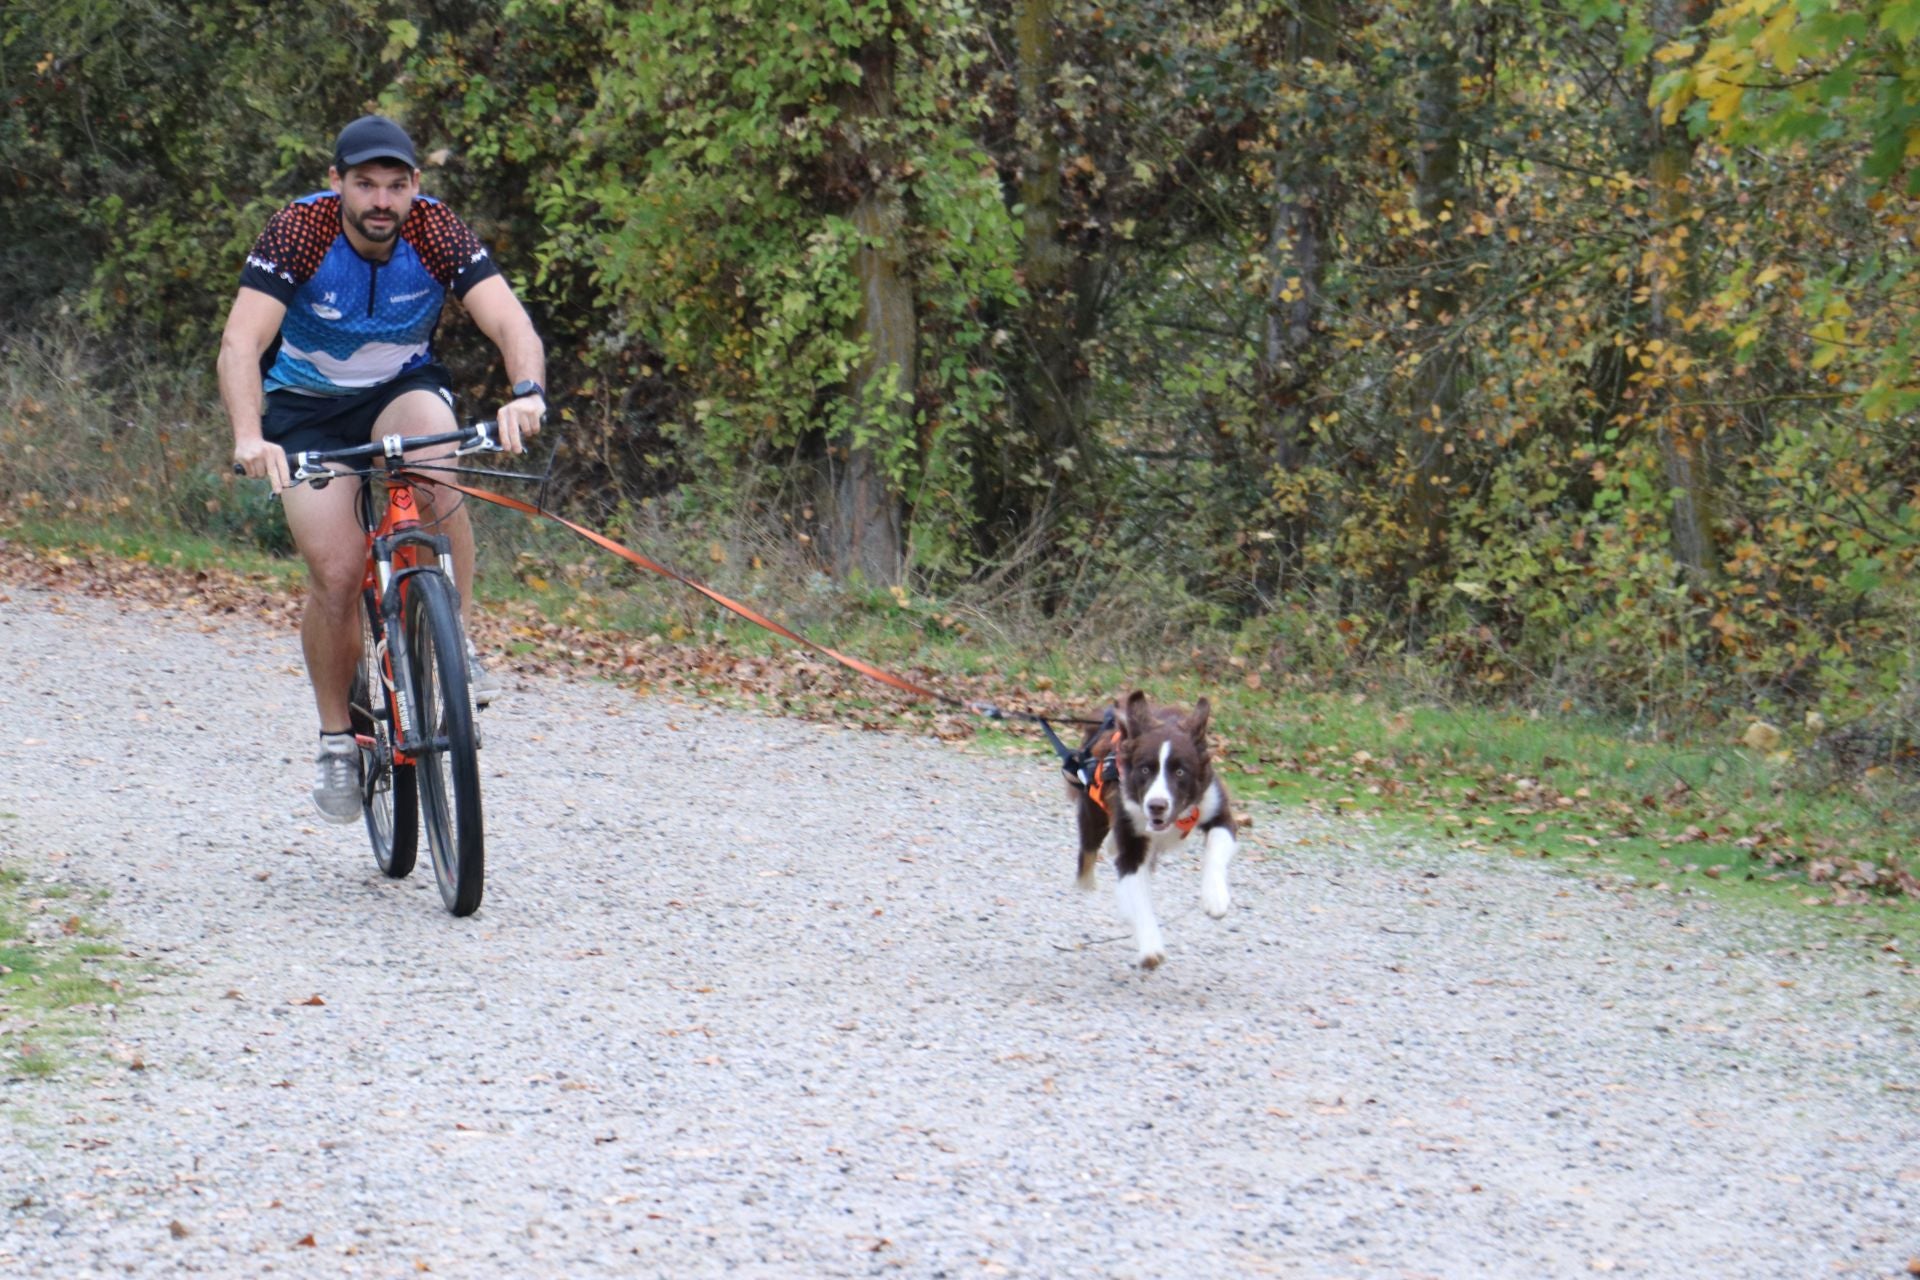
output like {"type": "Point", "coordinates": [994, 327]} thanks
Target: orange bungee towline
{"type": "Point", "coordinates": [866, 669]}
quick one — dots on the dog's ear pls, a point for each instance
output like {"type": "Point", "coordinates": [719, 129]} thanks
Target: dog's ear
{"type": "Point", "coordinates": [1197, 723]}
{"type": "Point", "coordinates": [1133, 716]}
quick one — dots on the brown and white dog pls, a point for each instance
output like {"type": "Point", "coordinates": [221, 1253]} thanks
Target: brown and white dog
{"type": "Point", "coordinates": [1158, 789]}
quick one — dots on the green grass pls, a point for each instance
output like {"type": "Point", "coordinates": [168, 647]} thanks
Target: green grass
{"type": "Point", "coordinates": [57, 970]}
{"type": "Point", "coordinates": [137, 542]}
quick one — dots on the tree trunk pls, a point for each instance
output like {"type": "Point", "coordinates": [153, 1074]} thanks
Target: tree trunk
{"type": "Point", "coordinates": [1438, 197]}
{"type": "Point", "coordinates": [1292, 350]}
{"type": "Point", "coordinates": [1673, 294]}
{"type": "Point", "coordinates": [868, 533]}
{"type": "Point", "coordinates": [865, 520]}
{"type": "Point", "coordinates": [1050, 395]}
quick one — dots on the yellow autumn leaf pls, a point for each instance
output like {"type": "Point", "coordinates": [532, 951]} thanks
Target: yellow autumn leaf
{"type": "Point", "coordinates": [1725, 105]}
{"type": "Point", "coordinates": [1775, 41]}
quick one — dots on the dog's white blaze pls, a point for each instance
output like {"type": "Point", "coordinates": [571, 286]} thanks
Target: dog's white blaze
{"type": "Point", "coordinates": [1135, 896]}
{"type": "Point", "coordinates": [1160, 790]}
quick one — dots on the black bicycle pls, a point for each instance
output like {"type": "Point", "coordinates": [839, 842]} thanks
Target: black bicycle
{"type": "Point", "coordinates": [411, 702]}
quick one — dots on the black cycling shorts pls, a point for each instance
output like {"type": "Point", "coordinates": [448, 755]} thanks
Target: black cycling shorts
{"type": "Point", "coordinates": [299, 422]}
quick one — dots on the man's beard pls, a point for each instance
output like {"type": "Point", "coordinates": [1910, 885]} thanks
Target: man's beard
{"type": "Point", "coordinates": [378, 233]}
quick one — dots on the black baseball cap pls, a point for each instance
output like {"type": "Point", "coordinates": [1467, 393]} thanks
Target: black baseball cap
{"type": "Point", "coordinates": [373, 138]}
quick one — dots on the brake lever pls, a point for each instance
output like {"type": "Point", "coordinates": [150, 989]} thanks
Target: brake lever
{"type": "Point", "coordinates": [484, 439]}
{"type": "Point", "coordinates": [318, 476]}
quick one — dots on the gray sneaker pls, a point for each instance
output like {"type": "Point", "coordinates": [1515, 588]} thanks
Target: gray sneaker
{"type": "Point", "coordinates": [336, 778]}
{"type": "Point", "coordinates": [484, 685]}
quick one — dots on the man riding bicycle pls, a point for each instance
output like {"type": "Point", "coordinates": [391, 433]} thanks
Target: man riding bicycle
{"type": "Point", "coordinates": [337, 306]}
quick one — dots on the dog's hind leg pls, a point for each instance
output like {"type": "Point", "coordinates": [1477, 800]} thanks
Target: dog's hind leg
{"type": "Point", "coordinates": [1093, 832]}
{"type": "Point", "coordinates": [1134, 893]}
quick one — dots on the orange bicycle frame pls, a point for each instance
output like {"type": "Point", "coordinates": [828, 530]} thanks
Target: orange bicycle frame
{"type": "Point", "coordinates": [394, 553]}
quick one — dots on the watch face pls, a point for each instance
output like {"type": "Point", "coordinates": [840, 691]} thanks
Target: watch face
{"type": "Point", "coordinates": [528, 388]}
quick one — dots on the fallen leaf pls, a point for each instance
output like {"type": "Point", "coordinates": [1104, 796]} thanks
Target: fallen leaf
{"type": "Point", "coordinates": [177, 1229]}
{"type": "Point", "coordinates": [305, 1242]}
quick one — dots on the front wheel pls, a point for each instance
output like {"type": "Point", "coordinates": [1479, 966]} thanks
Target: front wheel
{"type": "Point", "coordinates": [387, 794]}
{"type": "Point", "coordinates": [446, 771]}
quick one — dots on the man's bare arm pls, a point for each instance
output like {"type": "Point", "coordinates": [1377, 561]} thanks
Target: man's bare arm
{"type": "Point", "coordinates": [252, 324]}
{"type": "Point", "coordinates": [500, 316]}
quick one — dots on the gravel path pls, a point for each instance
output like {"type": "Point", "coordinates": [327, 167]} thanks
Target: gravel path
{"type": "Point", "coordinates": [759, 997]}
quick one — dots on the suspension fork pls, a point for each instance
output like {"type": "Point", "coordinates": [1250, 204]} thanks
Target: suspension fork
{"type": "Point", "coordinates": [396, 558]}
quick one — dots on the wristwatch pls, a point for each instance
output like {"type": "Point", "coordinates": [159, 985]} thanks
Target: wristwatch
{"type": "Point", "coordinates": [528, 387]}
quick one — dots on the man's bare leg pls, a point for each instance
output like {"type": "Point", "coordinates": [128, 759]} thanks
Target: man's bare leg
{"type": "Point", "coordinates": [329, 539]}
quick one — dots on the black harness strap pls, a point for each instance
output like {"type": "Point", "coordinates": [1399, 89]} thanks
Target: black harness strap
{"type": "Point", "coordinates": [1080, 765]}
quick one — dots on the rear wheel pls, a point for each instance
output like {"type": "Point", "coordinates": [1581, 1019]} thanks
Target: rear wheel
{"type": "Point", "coordinates": [448, 773]}
{"type": "Point", "coordinates": [388, 797]}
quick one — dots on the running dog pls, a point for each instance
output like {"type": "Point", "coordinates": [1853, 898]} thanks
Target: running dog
{"type": "Point", "coordinates": [1143, 777]}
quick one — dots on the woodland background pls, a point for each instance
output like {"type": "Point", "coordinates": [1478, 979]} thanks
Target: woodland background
{"type": "Point", "coordinates": [1561, 351]}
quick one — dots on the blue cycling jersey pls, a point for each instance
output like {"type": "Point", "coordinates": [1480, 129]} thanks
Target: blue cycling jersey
{"type": "Point", "coordinates": [353, 323]}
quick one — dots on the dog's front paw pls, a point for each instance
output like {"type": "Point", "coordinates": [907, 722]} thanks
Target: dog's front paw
{"type": "Point", "coordinates": [1215, 898]}
{"type": "Point", "coordinates": [1084, 881]}
{"type": "Point", "coordinates": [1151, 960]}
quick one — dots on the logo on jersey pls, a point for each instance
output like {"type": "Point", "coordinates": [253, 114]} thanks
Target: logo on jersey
{"type": "Point", "coordinates": [398, 298]}
{"type": "Point", "coordinates": [325, 308]}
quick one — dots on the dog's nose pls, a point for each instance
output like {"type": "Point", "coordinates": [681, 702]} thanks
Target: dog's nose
{"type": "Point", "coordinates": [1157, 808]}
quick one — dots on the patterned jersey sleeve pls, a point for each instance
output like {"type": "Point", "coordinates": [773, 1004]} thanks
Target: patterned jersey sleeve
{"type": "Point", "coordinates": [449, 250]}
{"type": "Point", "coordinates": [289, 251]}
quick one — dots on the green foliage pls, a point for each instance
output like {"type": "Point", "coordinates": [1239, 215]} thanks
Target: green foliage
{"type": "Point", "coordinates": [1473, 455]}
{"type": "Point", "coordinates": [720, 233]}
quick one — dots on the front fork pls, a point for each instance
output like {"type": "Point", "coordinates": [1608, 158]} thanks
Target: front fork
{"type": "Point", "coordinates": [396, 558]}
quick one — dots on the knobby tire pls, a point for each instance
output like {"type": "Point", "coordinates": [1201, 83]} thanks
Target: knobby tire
{"type": "Point", "coordinates": [448, 774]}
{"type": "Point", "coordinates": [388, 797]}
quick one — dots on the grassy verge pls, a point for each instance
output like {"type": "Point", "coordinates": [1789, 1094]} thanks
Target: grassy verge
{"type": "Point", "coordinates": [58, 972]}
{"type": "Point", "coordinates": [1775, 825]}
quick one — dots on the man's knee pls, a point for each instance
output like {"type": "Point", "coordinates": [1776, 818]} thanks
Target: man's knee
{"type": "Point", "coordinates": [417, 412]}
{"type": "Point", "coordinates": [334, 584]}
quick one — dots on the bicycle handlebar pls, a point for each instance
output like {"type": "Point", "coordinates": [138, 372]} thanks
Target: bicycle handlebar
{"type": "Point", "coordinates": [310, 465]}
